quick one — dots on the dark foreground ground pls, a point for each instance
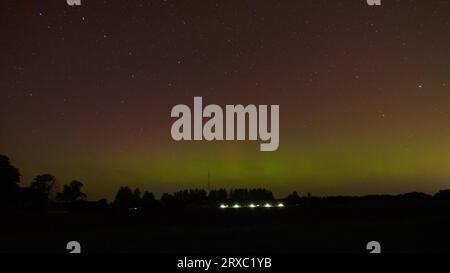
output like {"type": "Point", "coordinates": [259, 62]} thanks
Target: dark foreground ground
{"type": "Point", "coordinates": [398, 226]}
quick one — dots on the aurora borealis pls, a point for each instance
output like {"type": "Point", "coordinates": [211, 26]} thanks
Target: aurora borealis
{"type": "Point", "coordinates": [364, 93]}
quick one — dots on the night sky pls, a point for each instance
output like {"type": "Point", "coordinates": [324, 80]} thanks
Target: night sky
{"type": "Point", "coordinates": [364, 93]}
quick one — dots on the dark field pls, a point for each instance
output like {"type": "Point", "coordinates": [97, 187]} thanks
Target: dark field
{"type": "Point", "coordinates": [398, 226]}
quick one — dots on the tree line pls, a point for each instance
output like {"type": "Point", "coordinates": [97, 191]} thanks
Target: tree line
{"type": "Point", "coordinates": [42, 194]}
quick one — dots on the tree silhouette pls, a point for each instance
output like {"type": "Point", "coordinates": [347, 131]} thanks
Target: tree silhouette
{"type": "Point", "coordinates": [217, 196]}
{"type": "Point", "coordinates": [71, 193]}
{"type": "Point", "coordinates": [192, 196]}
{"type": "Point", "coordinates": [42, 186]}
{"type": "Point", "coordinates": [126, 198]}
{"type": "Point", "coordinates": [293, 199]}
{"type": "Point", "coordinates": [168, 199]}
{"type": "Point", "coordinates": [251, 195]}
{"type": "Point", "coordinates": [137, 198]}
{"type": "Point", "coordinates": [148, 200]}
{"type": "Point", "coordinates": [443, 195]}
{"type": "Point", "coordinates": [9, 179]}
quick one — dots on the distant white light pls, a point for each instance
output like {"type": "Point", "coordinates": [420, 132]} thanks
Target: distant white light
{"type": "Point", "coordinates": [267, 205]}
{"type": "Point", "coordinates": [252, 205]}
{"type": "Point", "coordinates": [133, 208]}
{"type": "Point", "coordinates": [236, 206]}
{"type": "Point", "coordinates": [280, 205]}
{"type": "Point", "coordinates": [223, 206]}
